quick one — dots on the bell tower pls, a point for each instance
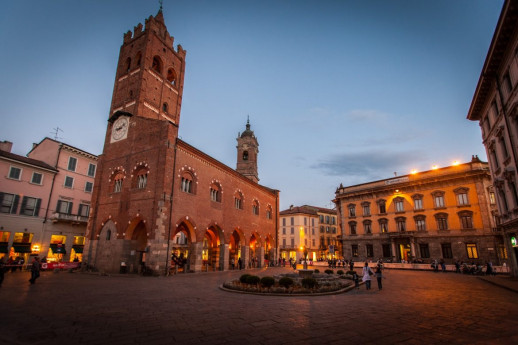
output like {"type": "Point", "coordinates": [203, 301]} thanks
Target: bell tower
{"type": "Point", "coordinates": [150, 74]}
{"type": "Point", "coordinates": [247, 150]}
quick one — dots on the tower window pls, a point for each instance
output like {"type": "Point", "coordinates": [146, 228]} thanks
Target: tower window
{"type": "Point", "coordinates": [171, 76]}
{"type": "Point", "coordinates": [164, 107]}
{"type": "Point", "coordinates": [138, 57]}
{"type": "Point", "coordinates": [128, 65]}
{"type": "Point", "coordinates": [157, 64]}
{"type": "Point", "coordinates": [245, 155]}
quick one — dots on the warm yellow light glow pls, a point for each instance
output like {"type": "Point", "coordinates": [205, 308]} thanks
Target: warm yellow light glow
{"type": "Point", "coordinates": [455, 163]}
{"type": "Point", "coordinates": [301, 248]}
{"type": "Point", "coordinates": [413, 171]}
{"type": "Point", "coordinates": [397, 190]}
{"type": "Point", "coordinates": [435, 167]}
{"type": "Point", "coordinates": [36, 248]}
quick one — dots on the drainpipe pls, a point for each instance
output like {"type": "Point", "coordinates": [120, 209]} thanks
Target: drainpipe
{"type": "Point", "coordinates": [507, 129]}
{"type": "Point", "coordinates": [167, 259]}
{"type": "Point", "coordinates": [52, 186]}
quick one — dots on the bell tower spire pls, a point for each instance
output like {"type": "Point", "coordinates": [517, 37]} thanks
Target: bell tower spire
{"type": "Point", "coordinates": [247, 151]}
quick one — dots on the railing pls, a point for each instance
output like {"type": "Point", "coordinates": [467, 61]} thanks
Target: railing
{"type": "Point", "coordinates": [72, 218]}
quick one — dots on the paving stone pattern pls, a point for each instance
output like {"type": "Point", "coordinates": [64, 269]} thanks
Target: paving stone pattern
{"type": "Point", "coordinates": [413, 308]}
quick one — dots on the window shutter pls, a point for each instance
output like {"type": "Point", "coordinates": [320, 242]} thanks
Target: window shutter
{"type": "Point", "coordinates": [24, 203]}
{"type": "Point", "coordinates": [69, 210]}
{"type": "Point", "coordinates": [15, 204]}
{"type": "Point", "coordinates": [37, 208]}
{"type": "Point", "coordinates": [80, 211]}
{"type": "Point", "coordinates": [58, 207]}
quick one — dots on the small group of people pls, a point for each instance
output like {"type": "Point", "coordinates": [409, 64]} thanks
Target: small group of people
{"type": "Point", "coordinates": [35, 269]}
{"type": "Point", "coordinates": [367, 274]}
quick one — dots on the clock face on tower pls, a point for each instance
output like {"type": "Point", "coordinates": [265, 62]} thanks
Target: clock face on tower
{"type": "Point", "coordinates": [120, 129]}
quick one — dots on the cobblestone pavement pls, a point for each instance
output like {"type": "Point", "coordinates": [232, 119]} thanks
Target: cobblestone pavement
{"type": "Point", "coordinates": [413, 308]}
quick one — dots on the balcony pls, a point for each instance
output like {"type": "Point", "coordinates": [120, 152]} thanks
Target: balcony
{"type": "Point", "coordinates": [69, 218]}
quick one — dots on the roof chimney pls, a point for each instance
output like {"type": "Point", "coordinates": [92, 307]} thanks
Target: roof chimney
{"type": "Point", "coordinates": [6, 146]}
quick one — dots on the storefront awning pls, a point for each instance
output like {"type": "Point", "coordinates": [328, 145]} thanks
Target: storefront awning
{"type": "Point", "coordinates": [78, 249]}
{"type": "Point", "coordinates": [3, 247]}
{"type": "Point", "coordinates": [22, 247]}
{"type": "Point", "coordinates": [58, 248]}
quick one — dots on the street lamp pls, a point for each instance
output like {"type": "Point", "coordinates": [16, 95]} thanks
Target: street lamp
{"type": "Point", "coordinates": [305, 252]}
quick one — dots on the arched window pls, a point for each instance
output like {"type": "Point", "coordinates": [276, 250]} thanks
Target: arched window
{"type": "Point", "coordinates": [418, 201]}
{"type": "Point", "coordinates": [461, 195]}
{"type": "Point", "coordinates": [128, 65]}
{"type": "Point", "coordinates": [466, 219]}
{"type": "Point", "coordinates": [382, 206]}
{"type": "Point", "coordinates": [399, 204]}
{"type": "Point", "coordinates": [171, 76]}
{"type": "Point", "coordinates": [420, 222]}
{"type": "Point", "coordinates": [157, 64]}
{"type": "Point", "coordinates": [269, 212]}
{"type": "Point", "coordinates": [138, 59]}
{"type": "Point", "coordinates": [438, 199]}
{"type": "Point", "coordinates": [401, 224]}
{"type": "Point", "coordinates": [187, 185]}
{"type": "Point", "coordinates": [215, 192]}
{"type": "Point", "coordinates": [164, 107]}
{"type": "Point", "coordinates": [255, 207]}
{"type": "Point", "coordinates": [367, 226]}
{"type": "Point", "coordinates": [366, 208]}
{"type": "Point", "coordinates": [383, 222]}
{"type": "Point", "coordinates": [118, 178]}
{"type": "Point", "coordinates": [352, 210]}
{"type": "Point", "coordinates": [352, 228]}
{"type": "Point", "coordinates": [245, 155]}
{"type": "Point", "coordinates": [442, 221]}
{"type": "Point", "coordinates": [108, 235]}
{"type": "Point", "coordinates": [238, 200]}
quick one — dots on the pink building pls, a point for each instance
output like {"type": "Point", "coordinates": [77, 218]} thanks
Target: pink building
{"type": "Point", "coordinates": [45, 200]}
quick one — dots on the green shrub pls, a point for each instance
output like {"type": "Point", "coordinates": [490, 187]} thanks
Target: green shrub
{"type": "Point", "coordinates": [309, 283]}
{"type": "Point", "coordinates": [253, 280]}
{"type": "Point", "coordinates": [286, 282]}
{"type": "Point", "coordinates": [317, 270]}
{"type": "Point", "coordinates": [329, 271]}
{"type": "Point", "coordinates": [340, 272]}
{"type": "Point", "coordinates": [267, 281]}
{"type": "Point", "coordinates": [243, 278]}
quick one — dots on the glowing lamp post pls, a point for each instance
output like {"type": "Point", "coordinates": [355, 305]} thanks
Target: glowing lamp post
{"type": "Point", "coordinates": [305, 252]}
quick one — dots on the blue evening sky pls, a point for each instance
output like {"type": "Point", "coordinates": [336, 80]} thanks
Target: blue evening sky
{"type": "Point", "coordinates": [337, 91]}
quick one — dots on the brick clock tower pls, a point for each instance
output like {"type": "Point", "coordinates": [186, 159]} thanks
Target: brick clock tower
{"type": "Point", "coordinates": [133, 184]}
{"type": "Point", "coordinates": [159, 202]}
{"type": "Point", "coordinates": [247, 150]}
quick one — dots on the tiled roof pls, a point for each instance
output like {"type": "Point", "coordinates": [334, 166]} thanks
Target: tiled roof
{"type": "Point", "coordinates": [307, 209]}
{"type": "Point", "coordinates": [25, 160]}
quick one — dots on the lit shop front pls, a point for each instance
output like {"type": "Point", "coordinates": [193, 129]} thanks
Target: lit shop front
{"type": "Point", "coordinates": [4, 243]}
{"type": "Point", "coordinates": [22, 245]}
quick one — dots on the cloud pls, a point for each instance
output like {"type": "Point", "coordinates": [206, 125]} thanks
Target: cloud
{"type": "Point", "coordinates": [368, 165]}
{"type": "Point", "coordinates": [366, 115]}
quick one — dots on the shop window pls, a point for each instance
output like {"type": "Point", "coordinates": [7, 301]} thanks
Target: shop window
{"type": "Point", "coordinates": [471, 248]}
{"type": "Point", "coordinates": [502, 251]}
{"type": "Point", "coordinates": [57, 248]}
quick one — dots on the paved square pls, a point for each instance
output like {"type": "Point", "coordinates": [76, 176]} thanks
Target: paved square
{"type": "Point", "coordinates": [413, 308]}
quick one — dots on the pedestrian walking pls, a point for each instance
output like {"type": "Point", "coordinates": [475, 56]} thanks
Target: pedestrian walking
{"type": "Point", "coordinates": [35, 270]}
{"type": "Point", "coordinates": [367, 273]}
{"type": "Point", "coordinates": [351, 265]}
{"type": "Point", "coordinates": [356, 280]}
{"type": "Point", "coordinates": [379, 276]}
{"type": "Point", "coordinates": [240, 263]}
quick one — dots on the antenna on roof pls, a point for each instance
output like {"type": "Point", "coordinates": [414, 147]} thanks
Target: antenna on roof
{"type": "Point", "coordinates": [161, 3]}
{"type": "Point", "coordinates": [56, 133]}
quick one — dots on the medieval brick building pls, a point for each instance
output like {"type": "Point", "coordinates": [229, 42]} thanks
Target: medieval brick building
{"type": "Point", "coordinates": [155, 195]}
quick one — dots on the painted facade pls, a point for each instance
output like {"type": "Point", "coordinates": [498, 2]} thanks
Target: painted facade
{"type": "Point", "coordinates": [159, 204]}
{"type": "Point", "coordinates": [45, 200]}
{"type": "Point", "coordinates": [314, 228]}
{"type": "Point", "coordinates": [495, 107]}
{"type": "Point", "coordinates": [444, 214]}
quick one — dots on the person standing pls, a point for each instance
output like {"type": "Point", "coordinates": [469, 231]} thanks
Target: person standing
{"type": "Point", "coordinates": [379, 276]}
{"type": "Point", "coordinates": [35, 269]}
{"type": "Point", "coordinates": [367, 272]}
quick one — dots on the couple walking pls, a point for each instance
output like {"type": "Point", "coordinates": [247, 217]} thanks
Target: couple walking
{"type": "Point", "coordinates": [367, 273]}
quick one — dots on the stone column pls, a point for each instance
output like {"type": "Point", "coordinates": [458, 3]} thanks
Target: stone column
{"type": "Point", "coordinates": [223, 257]}
{"type": "Point", "coordinates": [394, 256]}
{"type": "Point", "coordinates": [196, 258]}
{"type": "Point", "coordinates": [245, 253]}
{"type": "Point", "coordinates": [412, 248]}
{"type": "Point", "coordinates": [260, 257]}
